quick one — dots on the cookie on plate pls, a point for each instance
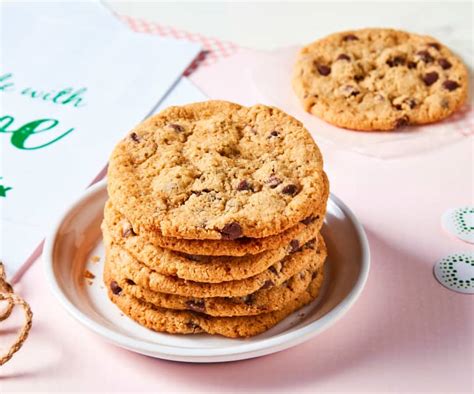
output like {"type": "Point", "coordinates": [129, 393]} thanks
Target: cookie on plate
{"type": "Point", "coordinates": [379, 79]}
{"type": "Point", "coordinates": [224, 247]}
{"type": "Point", "coordinates": [188, 322]}
{"type": "Point", "coordinates": [202, 268]}
{"type": "Point", "coordinates": [140, 274]}
{"type": "Point", "coordinates": [261, 301]}
{"type": "Point", "coordinates": [217, 170]}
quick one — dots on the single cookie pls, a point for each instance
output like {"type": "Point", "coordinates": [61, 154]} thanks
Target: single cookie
{"type": "Point", "coordinates": [237, 247]}
{"type": "Point", "coordinates": [261, 301]}
{"type": "Point", "coordinates": [379, 79]}
{"type": "Point", "coordinates": [186, 322]}
{"type": "Point", "coordinates": [140, 274]}
{"type": "Point", "coordinates": [200, 268]}
{"type": "Point", "coordinates": [206, 170]}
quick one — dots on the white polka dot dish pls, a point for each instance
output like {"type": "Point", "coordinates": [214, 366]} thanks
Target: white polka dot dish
{"type": "Point", "coordinates": [460, 223]}
{"type": "Point", "coordinates": [456, 272]}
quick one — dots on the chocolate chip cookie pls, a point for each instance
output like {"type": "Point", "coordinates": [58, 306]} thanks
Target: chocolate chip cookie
{"type": "Point", "coordinates": [224, 247]}
{"type": "Point", "coordinates": [216, 170]}
{"type": "Point", "coordinates": [201, 268]}
{"type": "Point", "coordinates": [187, 322]}
{"type": "Point", "coordinates": [275, 275]}
{"type": "Point", "coordinates": [261, 301]}
{"type": "Point", "coordinates": [379, 79]}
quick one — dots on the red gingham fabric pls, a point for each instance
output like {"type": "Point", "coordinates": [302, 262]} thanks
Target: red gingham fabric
{"type": "Point", "coordinates": [213, 48]}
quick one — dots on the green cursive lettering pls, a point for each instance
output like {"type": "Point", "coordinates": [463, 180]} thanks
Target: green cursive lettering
{"type": "Point", "coordinates": [22, 134]}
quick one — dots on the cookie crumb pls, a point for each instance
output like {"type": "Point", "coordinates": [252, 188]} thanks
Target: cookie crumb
{"type": "Point", "coordinates": [88, 275]}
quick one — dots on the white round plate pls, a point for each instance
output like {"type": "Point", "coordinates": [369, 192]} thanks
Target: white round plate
{"type": "Point", "coordinates": [76, 239]}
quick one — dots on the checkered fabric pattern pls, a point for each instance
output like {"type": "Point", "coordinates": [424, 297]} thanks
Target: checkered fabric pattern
{"type": "Point", "coordinates": [214, 49]}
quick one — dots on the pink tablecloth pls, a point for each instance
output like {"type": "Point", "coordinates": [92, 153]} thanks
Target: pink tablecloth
{"type": "Point", "coordinates": [406, 333]}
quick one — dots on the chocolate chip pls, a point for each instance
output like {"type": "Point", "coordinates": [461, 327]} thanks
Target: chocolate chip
{"type": "Point", "coordinates": [408, 102]}
{"type": "Point", "coordinates": [411, 102]}
{"type": "Point", "coordinates": [195, 257]}
{"type": "Point", "coordinates": [411, 65]}
{"type": "Point", "coordinates": [134, 137]}
{"type": "Point", "coordinates": [430, 78]}
{"type": "Point", "coordinates": [249, 299]}
{"type": "Point", "coordinates": [310, 244]}
{"type": "Point", "coordinates": [294, 245]}
{"type": "Point", "coordinates": [176, 127]}
{"type": "Point", "coordinates": [323, 70]}
{"type": "Point", "coordinates": [343, 56]}
{"type": "Point", "coordinates": [244, 240]}
{"type": "Point", "coordinates": [445, 64]}
{"type": "Point", "coordinates": [273, 181]}
{"type": "Point", "coordinates": [290, 189]}
{"type": "Point", "coordinates": [130, 282]}
{"type": "Point", "coordinates": [231, 231]}
{"type": "Point", "coordinates": [309, 220]}
{"type": "Point", "coordinates": [267, 284]}
{"type": "Point", "coordinates": [127, 230]}
{"type": "Point", "coordinates": [274, 133]}
{"type": "Point", "coordinates": [116, 289]}
{"type": "Point", "coordinates": [193, 326]}
{"type": "Point", "coordinates": [434, 45]}
{"type": "Point", "coordinates": [196, 305]}
{"type": "Point", "coordinates": [349, 37]}
{"type": "Point", "coordinates": [450, 85]}
{"type": "Point", "coordinates": [243, 185]}
{"type": "Point", "coordinates": [359, 78]}
{"type": "Point", "coordinates": [396, 61]}
{"type": "Point", "coordinates": [273, 270]}
{"type": "Point", "coordinates": [350, 91]}
{"type": "Point", "coordinates": [400, 122]}
{"type": "Point", "coordinates": [425, 56]}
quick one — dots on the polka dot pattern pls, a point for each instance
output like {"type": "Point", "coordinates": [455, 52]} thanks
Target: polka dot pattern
{"type": "Point", "coordinates": [460, 223]}
{"type": "Point", "coordinates": [456, 272]}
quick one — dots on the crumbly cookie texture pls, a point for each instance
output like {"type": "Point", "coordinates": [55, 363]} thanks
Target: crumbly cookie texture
{"type": "Point", "coordinates": [217, 170]}
{"type": "Point", "coordinates": [186, 322]}
{"type": "Point", "coordinates": [201, 268]}
{"type": "Point", "coordinates": [262, 301]}
{"type": "Point", "coordinates": [144, 277]}
{"type": "Point", "coordinates": [379, 79]}
{"type": "Point", "coordinates": [224, 247]}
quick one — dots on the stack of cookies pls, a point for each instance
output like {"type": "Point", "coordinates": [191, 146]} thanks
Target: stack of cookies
{"type": "Point", "coordinates": [213, 220]}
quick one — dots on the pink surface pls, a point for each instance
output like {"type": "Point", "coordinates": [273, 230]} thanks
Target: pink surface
{"type": "Point", "coordinates": [406, 333]}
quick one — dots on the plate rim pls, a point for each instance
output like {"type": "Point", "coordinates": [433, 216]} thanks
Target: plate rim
{"type": "Point", "coordinates": [261, 347]}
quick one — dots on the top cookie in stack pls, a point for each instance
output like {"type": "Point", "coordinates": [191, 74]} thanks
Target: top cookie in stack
{"type": "Point", "coordinates": [213, 218]}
